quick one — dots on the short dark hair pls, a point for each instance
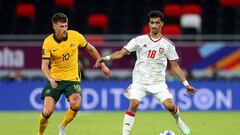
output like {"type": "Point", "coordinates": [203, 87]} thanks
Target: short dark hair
{"type": "Point", "coordinates": [59, 17]}
{"type": "Point", "coordinates": [156, 14]}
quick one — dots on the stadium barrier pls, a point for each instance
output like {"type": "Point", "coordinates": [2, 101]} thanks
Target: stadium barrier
{"type": "Point", "coordinates": [203, 56]}
{"type": "Point", "coordinates": [108, 96]}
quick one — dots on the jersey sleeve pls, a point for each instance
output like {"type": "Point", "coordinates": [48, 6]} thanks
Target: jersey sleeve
{"type": "Point", "coordinates": [46, 50]}
{"type": "Point", "coordinates": [82, 42]}
{"type": "Point", "coordinates": [171, 52]}
{"type": "Point", "coordinates": [131, 46]}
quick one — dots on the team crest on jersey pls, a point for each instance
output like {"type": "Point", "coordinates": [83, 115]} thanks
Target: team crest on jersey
{"type": "Point", "coordinates": [72, 45]}
{"type": "Point", "coordinates": [48, 91]}
{"type": "Point", "coordinates": [161, 50]}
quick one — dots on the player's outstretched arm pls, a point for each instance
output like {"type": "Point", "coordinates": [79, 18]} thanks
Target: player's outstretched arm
{"type": "Point", "coordinates": [114, 56]}
{"type": "Point", "coordinates": [177, 70]}
{"type": "Point", "coordinates": [94, 53]}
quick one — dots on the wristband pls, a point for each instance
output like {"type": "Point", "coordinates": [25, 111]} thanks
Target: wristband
{"type": "Point", "coordinates": [185, 83]}
{"type": "Point", "coordinates": [106, 58]}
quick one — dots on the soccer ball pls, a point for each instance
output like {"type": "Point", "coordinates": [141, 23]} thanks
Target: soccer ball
{"type": "Point", "coordinates": [167, 132]}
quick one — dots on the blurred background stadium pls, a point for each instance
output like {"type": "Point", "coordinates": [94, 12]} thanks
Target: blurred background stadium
{"type": "Point", "coordinates": [206, 34]}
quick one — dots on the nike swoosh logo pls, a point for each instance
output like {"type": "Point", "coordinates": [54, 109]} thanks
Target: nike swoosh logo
{"type": "Point", "coordinates": [55, 50]}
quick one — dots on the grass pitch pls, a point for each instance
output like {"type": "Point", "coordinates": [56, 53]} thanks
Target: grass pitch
{"type": "Point", "coordinates": [110, 123]}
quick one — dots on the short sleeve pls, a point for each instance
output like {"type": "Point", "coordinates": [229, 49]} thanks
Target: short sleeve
{"type": "Point", "coordinates": [131, 46]}
{"type": "Point", "coordinates": [82, 42]}
{"type": "Point", "coordinates": [46, 50]}
{"type": "Point", "coordinates": [171, 52]}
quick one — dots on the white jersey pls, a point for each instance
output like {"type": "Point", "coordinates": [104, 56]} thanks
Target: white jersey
{"type": "Point", "coordinates": [152, 58]}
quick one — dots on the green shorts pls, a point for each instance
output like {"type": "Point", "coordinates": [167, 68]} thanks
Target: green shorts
{"type": "Point", "coordinates": [66, 87]}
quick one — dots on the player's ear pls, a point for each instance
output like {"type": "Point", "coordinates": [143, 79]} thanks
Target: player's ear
{"type": "Point", "coordinates": [54, 26]}
{"type": "Point", "coordinates": [162, 23]}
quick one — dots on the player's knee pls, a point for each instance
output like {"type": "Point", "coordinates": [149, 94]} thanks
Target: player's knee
{"type": "Point", "coordinates": [47, 112]}
{"type": "Point", "coordinates": [171, 107]}
{"type": "Point", "coordinates": [75, 105]}
{"type": "Point", "coordinates": [75, 102]}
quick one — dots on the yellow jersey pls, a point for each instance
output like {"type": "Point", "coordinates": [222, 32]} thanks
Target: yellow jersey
{"type": "Point", "coordinates": [63, 55]}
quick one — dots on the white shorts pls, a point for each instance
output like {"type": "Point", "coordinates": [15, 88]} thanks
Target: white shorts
{"type": "Point", "coordinates": [138, 91]}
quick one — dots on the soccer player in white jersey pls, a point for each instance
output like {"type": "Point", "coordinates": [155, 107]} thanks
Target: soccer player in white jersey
{"type": "Point", "coordinates": [152, 51]}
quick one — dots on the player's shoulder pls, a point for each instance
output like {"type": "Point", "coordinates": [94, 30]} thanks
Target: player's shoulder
{"type": "Point", "coordinates": [48, 39]}
{"type": "Point", "coordinates": [167, 41]}
{"type": "Point", "coordinates": [141, 37]}
{"type": "Point", "coordinates": [75, 34]}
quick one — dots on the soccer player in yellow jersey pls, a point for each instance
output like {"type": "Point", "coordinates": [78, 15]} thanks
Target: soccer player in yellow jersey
{"type": "Point", "coordinates": [60, 50]}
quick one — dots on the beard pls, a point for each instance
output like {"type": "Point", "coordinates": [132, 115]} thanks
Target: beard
{"type": "Point", "coordinates": [155, 32]}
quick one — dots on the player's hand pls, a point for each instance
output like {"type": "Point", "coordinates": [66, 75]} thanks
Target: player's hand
{"type": "Point", "coordinates": [53, 82]}
{"type": "Point", "coordinates": [190, 90]}
{"type": "Point", "coordinates": [105, 70]}
{"type": "Point", "coordinates": [98, 62]}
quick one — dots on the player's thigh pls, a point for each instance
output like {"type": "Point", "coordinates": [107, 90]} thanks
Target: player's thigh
{"type": "Point", "coordinates": [137, 92]}
{"type": "Point", "coordinates": [163, 92]}
{"type": "Point", "coordinates": [73, 91]}
{"type": "Point", "coordinates": [48, 91]}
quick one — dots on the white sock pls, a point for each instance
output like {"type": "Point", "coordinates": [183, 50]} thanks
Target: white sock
{"type": "Point", "coordinates": [176, 114]}
{"type": "Point", "coordinates": [128, 123]}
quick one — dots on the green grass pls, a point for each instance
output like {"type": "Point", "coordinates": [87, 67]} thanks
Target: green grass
{"type": "Point", "coordinates": [110, 123]}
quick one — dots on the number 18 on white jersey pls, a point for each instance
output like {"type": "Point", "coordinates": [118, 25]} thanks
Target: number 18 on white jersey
{"type": "Point", "coordinates": [152, 56]}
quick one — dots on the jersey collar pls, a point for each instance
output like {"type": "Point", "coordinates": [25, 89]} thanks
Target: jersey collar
{"type": "Point", "coordinates": [59, 41]}
{"type": "Point", "coordinates": [154, 40]}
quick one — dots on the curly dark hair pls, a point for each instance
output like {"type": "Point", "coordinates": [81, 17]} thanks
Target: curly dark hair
{"type": "Point", "coordinates": [156, 14]}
